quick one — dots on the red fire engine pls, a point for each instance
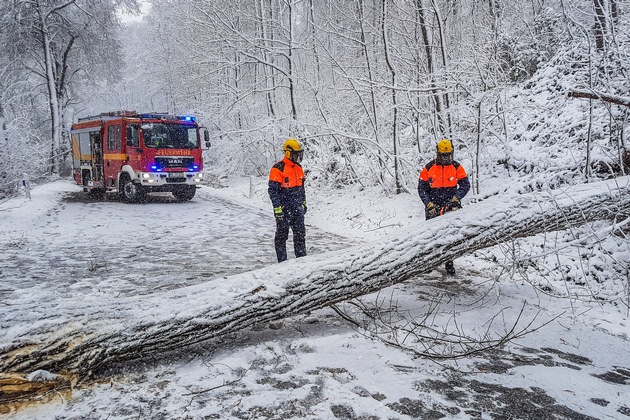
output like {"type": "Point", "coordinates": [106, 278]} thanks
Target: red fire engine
{"type": "Point", "coordinates": [134, 154]}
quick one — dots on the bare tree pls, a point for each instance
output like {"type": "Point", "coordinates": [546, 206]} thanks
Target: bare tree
{"type": "Point", "coordinates": [394, 81]}
{"type": "Point", "coordinates": [61, 35]}
{"type": "Point", "coordinates": [425, 28]}
{"type": "Point", "coordinates": [260, 70]}
{"type": "Point", "coordinates": [599, 28]}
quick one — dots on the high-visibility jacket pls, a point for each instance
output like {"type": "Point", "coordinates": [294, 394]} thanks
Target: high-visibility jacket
{"type": "Point", "coordinates": [438, 184]}
{"type": "Point", "coordinates": [286, 184]}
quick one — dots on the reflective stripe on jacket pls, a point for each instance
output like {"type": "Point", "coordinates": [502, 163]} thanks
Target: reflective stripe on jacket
{"type": "Point", "coordinates": [438, 184]}
{"type": "Point", "coordinates": [286, 184]}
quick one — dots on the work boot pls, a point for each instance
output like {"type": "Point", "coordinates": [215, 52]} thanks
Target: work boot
{"type": "Point", "coordinates": [450, 268]}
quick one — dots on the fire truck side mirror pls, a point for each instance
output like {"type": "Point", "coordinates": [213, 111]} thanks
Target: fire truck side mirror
{"type": "Point", "coordinates": [206, 137]}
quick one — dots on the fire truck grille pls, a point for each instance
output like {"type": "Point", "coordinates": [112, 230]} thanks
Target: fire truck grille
{"type": "Point", "coordinates": [175, 180]}
{"type": "Point", "coordinates": [174, 162]}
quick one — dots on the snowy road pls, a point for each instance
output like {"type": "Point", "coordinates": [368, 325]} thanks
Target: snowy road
{"type": "Point", "coordinates": [68, 245]}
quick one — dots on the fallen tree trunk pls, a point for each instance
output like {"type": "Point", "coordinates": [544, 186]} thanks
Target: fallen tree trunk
{"type": "Point", "coordinates": [619, 100]}
{"type": "Point", "coordinates": [91, 335]}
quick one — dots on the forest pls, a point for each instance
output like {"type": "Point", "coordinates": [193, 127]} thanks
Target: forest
{"type": "Point", "coordinates": [532, 90]}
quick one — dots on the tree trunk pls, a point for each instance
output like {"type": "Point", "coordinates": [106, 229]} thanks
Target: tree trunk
{"type": "Point", "coordinates": [266, 33]}
{"type": "Point", "coordinates": [445, 65]}
{"type": "Point", "coordinates": [392, 70]}
{"type": "Point", "coordinates": [426, 40]}
{"type": "Point", "coordinates": [290, 63]}
{"type": "Point", "coordinates": [373, 117]}
{"type": "Point", "coordinates": [614, 15]}
{"type": "Point", "coordinates": [3, 126]}
{"type": "Point", "coordinates": [53, 99]}
{"type": "Point", "coordinates": [478, 143]}
{"type": "Point", "coordinates": [90, 335]}
{"type": "Point", "coordinates": [618, 100]}
{"type": "Point", "coordinates": [55, 73]}
{"type": "Point", "coordinates": [600, 24]}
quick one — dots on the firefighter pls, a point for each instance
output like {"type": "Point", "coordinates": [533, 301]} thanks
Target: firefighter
{"type": "Point", "coordinates": [286, 191]}
{"type": "Point", "coordinates": [442, 185]}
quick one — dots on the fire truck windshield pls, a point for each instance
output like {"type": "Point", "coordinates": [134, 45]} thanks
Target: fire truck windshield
{"type": "Point", "coordinates": [172, 136]}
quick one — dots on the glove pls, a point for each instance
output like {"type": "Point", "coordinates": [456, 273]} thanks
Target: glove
{"type": "Point", "coordinates": [455, 204]}
{"type": "Point", "coordinates": [304, 206]}
{"type": "Point", "coordinates": [432, 210]}
{"type": "Point", "coordinates": [278, 213]}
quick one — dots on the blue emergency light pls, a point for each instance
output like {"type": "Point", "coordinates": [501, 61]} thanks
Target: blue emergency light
{"type": "Point", "coordinates": [167, 117]}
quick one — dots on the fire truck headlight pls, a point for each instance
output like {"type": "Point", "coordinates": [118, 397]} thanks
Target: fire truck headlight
{"type": "Point", "coordinates": [145, 175]}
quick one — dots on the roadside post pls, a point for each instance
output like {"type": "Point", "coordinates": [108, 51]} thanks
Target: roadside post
{"type": "Point", "coordinates": [26, 184]}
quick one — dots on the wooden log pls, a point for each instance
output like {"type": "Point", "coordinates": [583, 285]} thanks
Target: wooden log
{"type": "Point", "coordinates": [619, 100]}
{"type": "Point", "coordinates": [87, 335]}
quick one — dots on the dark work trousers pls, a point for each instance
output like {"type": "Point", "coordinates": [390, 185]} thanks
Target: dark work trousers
{"type": "Point", "coordinates": [443, 209]}
{"type": "Point", "coordinates": [294, 219]}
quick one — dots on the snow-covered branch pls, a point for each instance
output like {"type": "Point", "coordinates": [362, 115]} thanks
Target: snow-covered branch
{"type": "Point", "coordinates": [619, 100]}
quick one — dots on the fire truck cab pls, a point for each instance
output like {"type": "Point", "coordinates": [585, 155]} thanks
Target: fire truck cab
{"type": "Point", "coordinates": [134, 154]}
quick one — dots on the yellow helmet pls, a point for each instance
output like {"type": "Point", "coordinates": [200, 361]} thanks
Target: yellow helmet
{"type": "Point", "coordinates": [289, 147]}
{"type": "Point", "coordinates": [445, 146]}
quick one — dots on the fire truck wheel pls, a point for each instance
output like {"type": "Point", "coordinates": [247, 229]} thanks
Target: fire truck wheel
{"type": "Point", "coordinates": [131, 193]}
{"type": "Point", "coordinates": [186, 193]}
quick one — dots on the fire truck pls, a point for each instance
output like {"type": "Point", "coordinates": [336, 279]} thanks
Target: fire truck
{"type": "Point", "coordinates": [134, 154]}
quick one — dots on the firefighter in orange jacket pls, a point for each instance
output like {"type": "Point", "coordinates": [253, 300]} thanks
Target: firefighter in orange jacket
{"type": "Point", "coordinates": [442, 185]}
{"type": "Point", "coordinates": [286, 191]}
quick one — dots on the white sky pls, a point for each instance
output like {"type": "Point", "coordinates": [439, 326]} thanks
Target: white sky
{"type": "Point", "coordinates": [145, 6]}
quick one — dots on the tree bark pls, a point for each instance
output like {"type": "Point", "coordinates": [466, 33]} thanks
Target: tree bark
{"type": "Point", "coordinates": [445, 65]}
{"type": "Point", "coordinates": [614, 15]}
{"type": "Point", "coordinates": [619, 100]}
{"type": "Point", "coordinates": [290, 62]}
{"type": "Point", "coordinates": [85, 336]}
{"type": "Point", "coordinates": [428, 49]}
{"type": "Point", "coordinates": [53, 99]}
{"type": "Point", "coordinates": [54, 80]}
{"type": "Point", "coordinates": [392, 70]}
{"type": "Point", "coordinates": [373, 117]}
{"type": "Point", "coordinates": [600, 24]}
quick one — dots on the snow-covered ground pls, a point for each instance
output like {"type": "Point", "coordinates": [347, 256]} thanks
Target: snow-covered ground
{"type": "Point", "coordinates": [60, 249]}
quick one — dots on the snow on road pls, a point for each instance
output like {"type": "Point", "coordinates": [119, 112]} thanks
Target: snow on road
{"type": "Point", "coordinates": [63, 249]}
{"type": "Point", "coordinates": [64, 241]}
